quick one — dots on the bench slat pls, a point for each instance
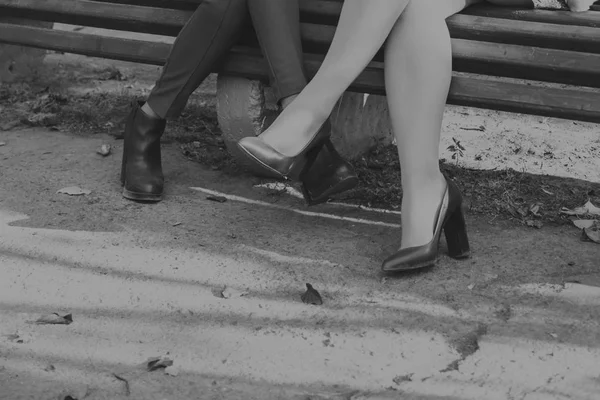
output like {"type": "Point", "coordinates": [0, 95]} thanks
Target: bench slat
{"type": "Point", "coordinates": [562, 103]}
{"type": "Point", "coordinates": [590, 18]}
{"type": "Point", "coordinates": [169, 22]}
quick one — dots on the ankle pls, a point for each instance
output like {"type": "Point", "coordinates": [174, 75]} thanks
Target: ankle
{"type": "Point", "coordinates": [423, 182]}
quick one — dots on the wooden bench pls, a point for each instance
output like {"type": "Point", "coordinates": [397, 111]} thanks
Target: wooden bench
{"type": "Point", "coordinates": [528, 46]}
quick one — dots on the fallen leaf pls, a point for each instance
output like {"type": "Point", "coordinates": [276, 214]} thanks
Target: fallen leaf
{"type": "Point", "coordinates": [154, 363]}
{"type": "Point", "coordinates": [49, 368]}
{"type": "Point", "coordinates": [583, 223]}
{"type": "Point", "coordinates": [218, 199]}
{"type": "Point", "coordinates": [534, 224]}
{"type": "Point", "coordinates": [172, 370]}
{"type": "Point", "coordinates": [403, 378]}
{"type": "Point", "coordinates": [535, 209]}
{"type": "Point", "coordinates": [231, 293]}
{"type": "Point", "coordinates": [311, 296]}
{"type": "Point", "coordinates": [547, 192]}
{"type": "Point", "coordinates": [104, 150]}
{"type": "Point", "coordinates": [55, 319]}
{"type": "Point", "coordinates": [471, 286]}
{"type": "Point", "coordinates": [74, 191]}
{"type": "Point", "coordinates": [70, 398]}
{"type": "Point", "coordinates": [592, 233]}
{"type": "Point", "coordinates": [177, 223]}
{"type": "Point", "coordinates": [587, 209]}
{"type": "Point", "coordinates": [2, 144]}
{"type": "Point", "coordinates": [554, 335]}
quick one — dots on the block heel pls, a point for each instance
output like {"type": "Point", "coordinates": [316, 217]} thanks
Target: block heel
{"type": "Point", "coordinates": [455, 230]}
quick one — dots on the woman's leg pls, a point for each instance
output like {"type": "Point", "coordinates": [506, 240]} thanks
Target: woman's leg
{"type": "Point", "coordinates": [208, 35]}
{"type": "Point", "coordinates": [418, 70]}
{"type": "Point", "coordinates": [277, 26]}
{"type": "Point", "coordinates": [362, 29]}
{"type": "Point", "coordinates": [205, 39]}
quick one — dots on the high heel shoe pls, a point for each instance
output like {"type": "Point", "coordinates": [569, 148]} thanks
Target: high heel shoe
{"type": "Point", "coordinates": [287, 167]}
{"type": "Point", "coordinates": [451, 220]}
{"type": "Point", "coordinates": [141, 169]}
{"type": "Point", "coordinates": [330, 174]}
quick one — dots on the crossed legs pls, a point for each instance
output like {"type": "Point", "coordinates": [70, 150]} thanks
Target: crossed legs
{"type": "Point", "coordinates": [418, 68]}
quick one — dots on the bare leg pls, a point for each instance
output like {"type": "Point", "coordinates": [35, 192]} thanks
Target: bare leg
{"type": "Point", "coordinates": [362, 30]}
{"type": "Point", "coordinates": [418, 70]}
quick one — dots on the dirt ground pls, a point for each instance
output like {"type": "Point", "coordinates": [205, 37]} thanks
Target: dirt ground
{"type": "Point", "coordinates": [519, 320]}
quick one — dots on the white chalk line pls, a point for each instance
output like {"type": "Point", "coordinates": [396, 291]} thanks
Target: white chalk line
{"type": "Point", "coordinates": [301, 212]}
{"type": "Point", "coordinates": [279, 186]}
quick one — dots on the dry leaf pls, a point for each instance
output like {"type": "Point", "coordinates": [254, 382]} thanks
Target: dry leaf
{"type": "Point", "coordinates": [74, 191]}
{"type": "Point", "coordinates": [547, 192]}
{"type": "Point", "coordinates": [154, 363]}
{"type": "Point", "coordinates": [231, 293]}
{"type": "Point", "coordinates": [104, 150]}
{"type": "Point", "coordinates": [471, 287]}
{"type": "Point", "coordinates": [403, 378]}
{"type": "Point", "coordinates": [535, 209]}
{"type": "Point", "coordinates": [218, 199]}
{"type": "Point", "coordinates": [534, 224]}
{"type": "Point", "coordinates": [592, 233]}
{"type": "Point", "coordinates": [587, 209]}
{"type": "Point", "coordinates": [583, 223]}
{"type": "Point", "coordinates": [172, 370]}
{"type": "Point", "coordinates": [2, 144]}
{"type": "Point", "coordinates": [311, 296]}
{"type": "Point", "coordinates": [55, 319]}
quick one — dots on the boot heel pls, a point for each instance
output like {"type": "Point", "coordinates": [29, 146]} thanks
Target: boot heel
{"type": "Point", "coordinates": [123, 167]}
{"type": "Point", "coordinates": [455, 231]}
{"type": "Point", "coordinates": [311, 156]}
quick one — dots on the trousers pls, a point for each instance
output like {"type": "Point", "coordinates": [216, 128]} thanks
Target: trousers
{"type": "Point", "coordinates": [209, 34]}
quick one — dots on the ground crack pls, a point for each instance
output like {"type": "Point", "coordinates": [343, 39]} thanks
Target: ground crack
{"type": "Point", "coordinates": [466, 345]}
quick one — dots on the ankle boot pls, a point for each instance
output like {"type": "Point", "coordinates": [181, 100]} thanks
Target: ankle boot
{"type": "Point", "coordinates": [330, 174]}
{"type": "Point", "coordinates": [141, 169]}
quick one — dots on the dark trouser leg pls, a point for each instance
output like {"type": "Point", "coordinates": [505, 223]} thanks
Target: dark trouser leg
{"type": "Point", "coordinates": [277, 26]}
{"type": "Point", "coordinates": [206, 38]}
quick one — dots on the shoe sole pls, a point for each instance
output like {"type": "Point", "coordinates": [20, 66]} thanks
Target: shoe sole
{"type": "Point", "coordinates": [145, 197]}
{"type": "Point", "coordinates": [256, 162]}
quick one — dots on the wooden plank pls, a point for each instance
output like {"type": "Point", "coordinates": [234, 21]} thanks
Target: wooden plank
{"type": "Point", "coordinates": [99, 14]}
{"type": "Point", "coordinates": [562, 103]}
{"type": "Point", "coordinates": [467, 91]}
{"type": "Point", "coordinates": [471, 56]}
{"type": "Point", "coordinates": [169, 22]}
{"type": "Point", "coordinates": [590, 19]}
{"type": "Point", "coordinates": [316, 37]}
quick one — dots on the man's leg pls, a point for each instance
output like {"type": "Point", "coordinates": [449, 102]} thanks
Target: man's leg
{"type": "Point", "coordinates": [277, 26]}
{"type": "Point", "coordinates": [205, 39]}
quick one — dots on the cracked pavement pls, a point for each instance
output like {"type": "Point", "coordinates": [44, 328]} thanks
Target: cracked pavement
{"type": "Point", "coordinates": [142, 281]}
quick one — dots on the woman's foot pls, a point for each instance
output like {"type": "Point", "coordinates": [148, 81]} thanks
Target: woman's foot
{"type": "Point", "coordinates": [289, 146]}
{"type": "Point", "coordinates": [420, 248]}
{"type": "Point", "coordinates": [293, 129]}
{"type": "Point", "coordinates": [420, 204]}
